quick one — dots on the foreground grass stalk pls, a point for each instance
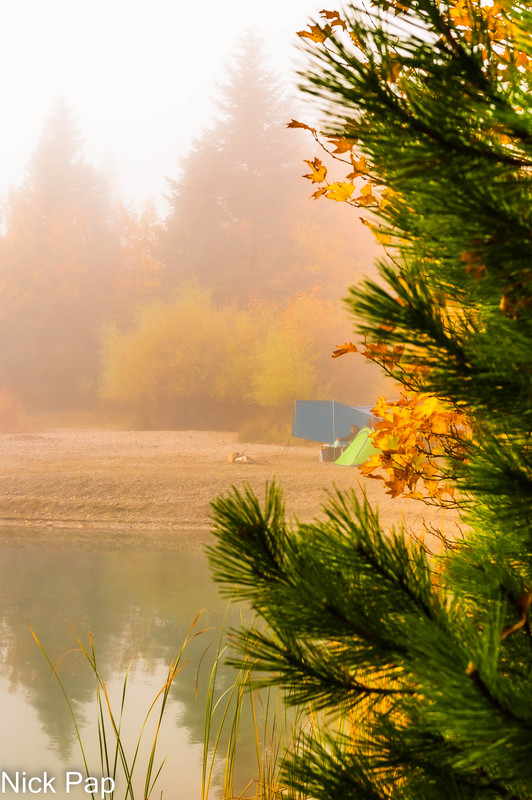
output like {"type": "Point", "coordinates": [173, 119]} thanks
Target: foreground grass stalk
{"type": "Point", "coordinates": [112, 750]}
{"type": "Point", "coordinates": [247, 731]}
{"type": "Point", "coordinates": [273, 730]}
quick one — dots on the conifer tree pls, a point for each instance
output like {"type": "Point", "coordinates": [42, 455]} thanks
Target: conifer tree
{"type": "Point", "coordinates": [58, 253]}
{"type": "Point", "coordinates": [228, 227]}
{"type": "Point", "coordinates": [240, 223]}
{"type": "Point", "coordinates": [428, 657]}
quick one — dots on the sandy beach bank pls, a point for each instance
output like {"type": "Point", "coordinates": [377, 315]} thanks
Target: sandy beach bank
{"type": "Point", "coordinates": [101, 488]}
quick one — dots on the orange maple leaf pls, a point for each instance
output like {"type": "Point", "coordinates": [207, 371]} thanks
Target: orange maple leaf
{"type": "Point", "coordinates": [348, 347]}
{"type": "Point", "coordinates": [316, 33]}
{"type": "Point", "coordinates": [295, 124]}
{"type": "Point", "coordinates": [319, 171]}
{"type": "Point", "coordinates": [319, 192]}
{"type": "Point", "coordinates": [342, 145]}
{"type": "Point", "coordinates": [340, 191]}
{"type": "Point", "coordinates": [334, 18]}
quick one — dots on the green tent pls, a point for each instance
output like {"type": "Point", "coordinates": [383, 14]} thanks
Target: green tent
{"type": "Point", "coordinates": [360, 449]}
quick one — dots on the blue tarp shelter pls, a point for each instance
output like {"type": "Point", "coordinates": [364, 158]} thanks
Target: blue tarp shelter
{"type": "Point", "coordinates": [327, 420]}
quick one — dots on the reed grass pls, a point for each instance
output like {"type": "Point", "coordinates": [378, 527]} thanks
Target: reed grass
{"type": "Point", "coordinates": [244, 764]}
{"type": "Point", "coordinates": [116, 760]}
{"type": "Point", "coordinates": [274, 729]}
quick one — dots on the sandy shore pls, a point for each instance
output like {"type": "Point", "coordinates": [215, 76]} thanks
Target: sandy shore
{"type": "Point", "coordinates": [106, 489]}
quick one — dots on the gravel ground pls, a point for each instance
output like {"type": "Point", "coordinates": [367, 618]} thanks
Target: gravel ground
{"type": "Point", "coordinates": [104, 489]}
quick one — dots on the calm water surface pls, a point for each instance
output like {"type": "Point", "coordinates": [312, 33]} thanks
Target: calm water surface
{"type": "Point", "coordinates": [139, 608]}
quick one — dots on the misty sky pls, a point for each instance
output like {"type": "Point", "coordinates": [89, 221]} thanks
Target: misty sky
{"type": "Point", "coordinates": [138, 75]}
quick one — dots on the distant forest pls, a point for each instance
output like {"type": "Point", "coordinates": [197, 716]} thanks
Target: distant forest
{"type": "Point", "coordinates": [219, 315]}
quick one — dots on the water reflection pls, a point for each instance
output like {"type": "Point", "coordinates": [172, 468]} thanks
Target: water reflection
{"type": "Point", "coordinates": [138, 607]}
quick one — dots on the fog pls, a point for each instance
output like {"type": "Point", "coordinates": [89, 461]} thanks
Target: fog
{"type": "Point", "coordinates": [139, 76]}
{"type": "Point", "coordinates": [161, 263]}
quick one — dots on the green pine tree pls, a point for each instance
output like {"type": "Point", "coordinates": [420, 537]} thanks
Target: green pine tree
{"type": "Point", "coordinates": [429, 657]}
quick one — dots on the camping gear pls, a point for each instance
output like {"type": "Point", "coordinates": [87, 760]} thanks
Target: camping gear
{"type": "Point", "coordinates": [359, 451]}
{"type": "Point", "coordinates": [327, 420]}
{"type": "Point", "coordinates": [330, 452]}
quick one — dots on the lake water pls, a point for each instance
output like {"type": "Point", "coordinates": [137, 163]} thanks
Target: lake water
{"type": "Point", "coordinates": [139, 608]}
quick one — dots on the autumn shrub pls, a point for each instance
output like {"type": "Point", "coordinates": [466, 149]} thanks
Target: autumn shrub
{"type": "Point", "coordinates": [190, 363]}
{"type": "Point", "coordinates": [165, 368]}
{"type": "Point", "coordinates": [294, 361]}
{"type": "Point", "coordinates": [286, 366]}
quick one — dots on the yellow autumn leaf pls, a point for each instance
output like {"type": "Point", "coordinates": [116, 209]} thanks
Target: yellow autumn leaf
{"type": "Point", "coordinates": [429, 469]}
{"type": "Point", "coordinates": [295, 124]}
{"type": "Point", "coordinates": [340, 191]}
{"type": "Point", "coordinates": [360, 167]}
{"type": "Point", "coordinates": [408, 440]}
{"type": "Point", "coordinates": [341, 144]}
{"type": "Point", "coordinates": [380, 407]}
{"type": "Point", "coordinates": [319, 192]}
{"type": "Point", "coordinates": [355, 40]}
{"type": "Point", "coordinates": [378, 233]}
{"type": "Point", "coordinates": [366, 198]}
{"type": "Point", "coordinates": [395, 487]}
{"type": "Point", "coordinates": [427, 406]}
{"type": "Point", "coordinates": [402, 416]}
{"type": "Point", "coordinates": [334, 18]}
{"type": "Point", "coordinates": [399, 460]}
{"type": "Point", "coordinates": [385, 441]}
{"type": "Point", "coordinates": [376, 348]}
{"type": "Point", "coordinates": [432, 487]}
{"type": "Point", "coordinates": [439, 424]}
{"type": "Point", "coordinates": [522, 60]}
{"type": "Point", "coordinates": [319, 171]}
{"type": "Point", "coordinates": [411, 434]}
{"type": "Point", "coordinates": [316, 33]}
{"type": "Point", "coordinates": [341, 350]}
{"type": "Point", "coordinates": [372, 463]}
{"type": "Point", "coordinates": [367, 471]}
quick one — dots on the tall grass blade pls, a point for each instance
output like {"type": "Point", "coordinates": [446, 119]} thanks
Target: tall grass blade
{"type": "Point", "coordinates": [111, 746]}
